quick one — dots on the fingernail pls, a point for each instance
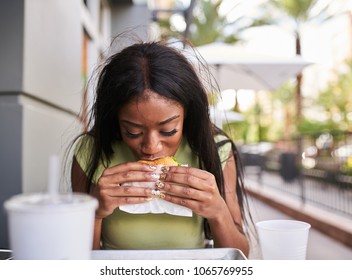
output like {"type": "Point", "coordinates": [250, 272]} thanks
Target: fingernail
{"type": "Point", "coordinates": [159, 184]}
{"type": "Point", "coordinates": [165, 169]}
{"type": "Point", "coordinates": [152, 167]}
{"type": "Point", "coordinates": [155, 176]}
{"type": "Point", "coordinates": [157, 194]}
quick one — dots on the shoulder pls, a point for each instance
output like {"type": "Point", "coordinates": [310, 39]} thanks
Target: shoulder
{"type": "Point", "coordinates": [222, 141]}
{"type": "Point", "coordinates": [221, 138]}
{"type": "Point", "coordinates": [224, 146]}
{"type": "Point", "coordinates": [83, 147]}
{"type": "Point", "coordinates": [83, 142]}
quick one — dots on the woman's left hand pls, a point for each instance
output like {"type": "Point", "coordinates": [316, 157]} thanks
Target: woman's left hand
{"type": "Point", "coordinates": [195, 189]}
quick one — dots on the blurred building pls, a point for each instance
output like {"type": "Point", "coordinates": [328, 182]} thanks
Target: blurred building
{"type": "Point", "coordinates": [48, 50]}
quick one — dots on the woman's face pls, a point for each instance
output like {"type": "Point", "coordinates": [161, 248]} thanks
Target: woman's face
{"type": "Point", "coordinates": [152, 126]}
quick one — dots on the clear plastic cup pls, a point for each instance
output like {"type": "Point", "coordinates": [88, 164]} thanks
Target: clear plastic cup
{"type": "Point", "coordinates": [43, 226]}
{"type": "Point", "coordinates": [283, 239]}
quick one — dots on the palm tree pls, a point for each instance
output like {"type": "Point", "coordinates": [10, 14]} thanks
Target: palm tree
{"type": "Point", "coordinates": [209, 25]}
{"type": "Point", "coordinates": [296, 14]}
{"type": "Point", "coordinates": [204, 23]}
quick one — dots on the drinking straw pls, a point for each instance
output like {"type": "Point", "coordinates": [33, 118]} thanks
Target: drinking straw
{"type": "Point", "coordinates": [53, 175]}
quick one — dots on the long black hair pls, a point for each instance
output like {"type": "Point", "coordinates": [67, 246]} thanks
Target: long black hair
{"type": "Point", "coordinates": [163, 69]}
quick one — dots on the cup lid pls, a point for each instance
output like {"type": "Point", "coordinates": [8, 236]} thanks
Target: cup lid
{"type": "Point", "coordinates": [278, 225]}
{"type": "Point", "coordinates": [39, 201]}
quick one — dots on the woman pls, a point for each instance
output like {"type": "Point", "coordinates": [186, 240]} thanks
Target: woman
{"type": "Point", "coordinates": [150, 103]}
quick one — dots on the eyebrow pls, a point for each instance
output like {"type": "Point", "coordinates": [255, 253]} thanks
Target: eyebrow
{"type": "Point", "coordinates": [169, 119]}
{"type": "Point", "coordinates": [160, 123]}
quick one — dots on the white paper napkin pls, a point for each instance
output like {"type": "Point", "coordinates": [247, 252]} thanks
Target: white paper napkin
{"type": "Point", "coordinates": [157, 205]}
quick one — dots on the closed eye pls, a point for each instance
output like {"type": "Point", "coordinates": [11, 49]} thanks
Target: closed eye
{"type": "Point", "coordinates": [169, 133]}
{"type": "Point", "coordinates": [132, 135]}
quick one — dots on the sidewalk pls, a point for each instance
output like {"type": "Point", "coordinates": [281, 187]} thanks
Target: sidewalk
{"type": "Point", "coordinates": [330, 236]}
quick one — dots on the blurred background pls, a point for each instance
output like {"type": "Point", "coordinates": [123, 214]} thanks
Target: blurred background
{"type": "Point", "coordinates": [284, 69]}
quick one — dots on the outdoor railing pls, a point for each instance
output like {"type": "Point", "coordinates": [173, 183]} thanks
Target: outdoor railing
{"type": "Point", "coordinates": [324, 194]}
{"type": "Point", "coordinates": [322, 178]}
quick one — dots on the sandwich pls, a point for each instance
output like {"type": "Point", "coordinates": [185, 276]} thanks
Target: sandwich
{"type": "Point", "coordinates": [156, 205]}
{"type": "Point", "coordinates": [167, 161]}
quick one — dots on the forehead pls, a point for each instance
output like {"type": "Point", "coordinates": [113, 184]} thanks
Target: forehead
{"type": "Point", "coordinates": [150, 107]}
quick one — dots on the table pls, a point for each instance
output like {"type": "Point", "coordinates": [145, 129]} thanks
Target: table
{"type": "Point", "coordinates": [175, 254]}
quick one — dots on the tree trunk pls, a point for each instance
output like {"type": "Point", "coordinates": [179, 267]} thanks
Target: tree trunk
{"type": "Point", "coordinates": [188, 19]}
{"type": "Point", "coordinates": [298, 107]}
{"type": "Point", "coordinates": [298, 95]}
{"type": "Point", "coordinates": [298, 98]}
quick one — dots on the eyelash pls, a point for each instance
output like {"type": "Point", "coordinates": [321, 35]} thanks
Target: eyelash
{"type": "Point", "coordinates": [169, 133]}
{"type": "Point", "coordinates": [131, 135]}
{"type": "Point", "coordinates": [165, 133]}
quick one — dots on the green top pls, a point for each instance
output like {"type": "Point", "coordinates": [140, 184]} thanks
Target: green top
{"type": "Point", "coordinates": [122, 230]}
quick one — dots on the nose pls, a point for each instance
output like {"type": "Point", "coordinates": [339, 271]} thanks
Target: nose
{"type": "Point", "coordinates": [151, 145]}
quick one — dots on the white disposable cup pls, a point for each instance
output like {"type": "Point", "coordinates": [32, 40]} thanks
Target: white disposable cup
{"type": "Point", "coordinates": [283, 239]}
{"type": "Point", "coordinates": [43, 226]}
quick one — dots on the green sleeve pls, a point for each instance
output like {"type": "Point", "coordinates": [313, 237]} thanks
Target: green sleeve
{"type": "Point", "coordinates": [223, 150]}
{"type": "Point", "coordinates": [83, 150]}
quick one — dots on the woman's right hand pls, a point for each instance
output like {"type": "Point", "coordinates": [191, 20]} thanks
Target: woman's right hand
{"type": "Point", "coordinates": [111, 192]}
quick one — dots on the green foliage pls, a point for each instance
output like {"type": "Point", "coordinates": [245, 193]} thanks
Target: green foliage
{"type": "Point", "coordinates": [297, 9]}
{"type": "Point", "coordinates": [336, 99]}
{"type": "Point", "coordinates": [208, 25]}
{"type": "Point", "coordinates": [166, 30]}
{"type": "Point", "coordinates": [236, 130]}
{"type": "Point", "coordinates": [301, 11]}
{"type": "Point", "coordinates": [347, 166]}
{"type": "Point", "coordinates": [315, 128]}
{"type": "Point", "coordinates": [285, 94]}
{"type": "Point", "coordinates": [213, 98]}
